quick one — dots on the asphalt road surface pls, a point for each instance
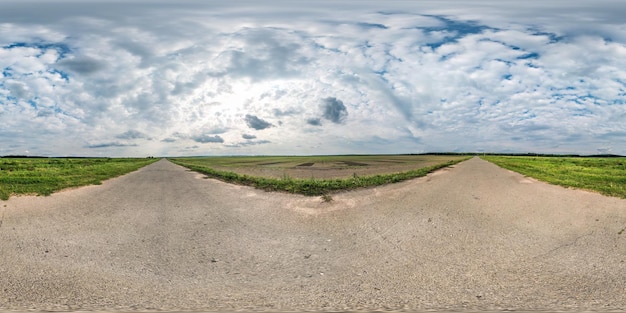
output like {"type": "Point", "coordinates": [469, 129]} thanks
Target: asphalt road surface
{"type": "Point", "coordinates": [471, 237]}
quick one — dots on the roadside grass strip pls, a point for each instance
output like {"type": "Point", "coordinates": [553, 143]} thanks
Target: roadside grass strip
{"type": "Point", "coordinates": [604, 175]}
{"type": "Point", "coordinates": [307, 187]}
{"type": "Point", "coordinates": [24, 176]}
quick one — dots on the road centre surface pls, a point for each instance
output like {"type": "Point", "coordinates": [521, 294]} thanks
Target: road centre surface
{"type": "Point", "coordinates": [474, 236]}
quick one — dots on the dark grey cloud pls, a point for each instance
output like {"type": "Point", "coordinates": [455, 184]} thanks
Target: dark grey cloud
{"type": "Point", "coordinates": [169, 140]}
{"type": "Point", "coordinates": [287, 112]}
{"type": "Point", "coordinates": [109, 145]}
{"type": "Point", "coordinates": [207, 138]}
{"type": "Point", "coordinates": [214, 130]}
{"type": "Point", "coordinates": [132, 134]}
{"type": "Point", "coordinates": [334, 110]}
{"type": "Point", "coordinates": [371, 25]}
{"type": "Point", "coordinates": [179, 135]}
{"type": "Point", "coordinates": [137, 49]}
{"type": "Point", "coordinates": [257, 123]}
{"type": "Point", "coordinates": [18, 90]}
{"type": "Point", "coordinates": [81, 65]}
{"type": "Point", "coordinates": [248, 136]}
{"type": "Point", "coordinates": [195, 81]}
{"type": "Point", "coordinates": [314, 121]}
{"type": "Point", "coordinates": [207, 129]}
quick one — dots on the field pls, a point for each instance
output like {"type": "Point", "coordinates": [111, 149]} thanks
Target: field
{"type": "Point", "coordinates": [309, 175]}
{"type": "Point", "coordinates": [320, 167]}
{"type": "Point", "coordinates": [604, 175]}
{"type": "Point", "coordinates": [43, 176]}
{"type": "Point", "coordinates": [318, 175]}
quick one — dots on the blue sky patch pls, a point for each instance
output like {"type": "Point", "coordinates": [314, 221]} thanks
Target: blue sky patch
{"type": "Point", "coordinates": [32, 103]}
{"type": "Point", "coordinates": [454, 29]}
{"type": "Point", "coordinates": [62, 48]}
{"type": "Point", "coordinates": [63, 74]}
{"type": "Point", "coordinates": [7, 72]}
{"type": "Point", "coordinates": [554, 38]}
{"type": "Point", "coordinates": [531, 55]}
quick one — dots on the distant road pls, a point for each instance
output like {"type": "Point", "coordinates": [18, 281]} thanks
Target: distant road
{"type": "Point", "coordinates": [471, 237]}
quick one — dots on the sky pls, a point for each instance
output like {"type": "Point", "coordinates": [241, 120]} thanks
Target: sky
{"type": "Point", "coordinates": [189, 78]}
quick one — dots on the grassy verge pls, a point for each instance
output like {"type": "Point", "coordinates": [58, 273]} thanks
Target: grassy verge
{"type": "Point", "coordinates": [45, 176]}
{"type": "Point", "coordinates": [604, 175]}
{"type": "Point", "coordinates": [309, 187]}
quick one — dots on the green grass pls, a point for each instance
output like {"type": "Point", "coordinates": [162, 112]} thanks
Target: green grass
{"type": "Point", "coordinates": [45, 176]}
{"type": "Point", "coordinates": [604, 175]}
{"type": "Point", "coordinates": [309, 187]}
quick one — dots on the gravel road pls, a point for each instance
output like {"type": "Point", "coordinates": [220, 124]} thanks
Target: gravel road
{"type": "Point", "coordinates": [470, 237]}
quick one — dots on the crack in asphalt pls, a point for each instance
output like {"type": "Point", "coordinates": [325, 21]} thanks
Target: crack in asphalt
{"type": "Point", "coordinates": [565, 245]}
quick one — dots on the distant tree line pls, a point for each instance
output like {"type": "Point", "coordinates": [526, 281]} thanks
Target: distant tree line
{"type": "Point", "coordinates": [526, 154]}
{"type": "Point", "coordinates": [45, 157]}
{"type": "Point", "coordinates": [24, 157]}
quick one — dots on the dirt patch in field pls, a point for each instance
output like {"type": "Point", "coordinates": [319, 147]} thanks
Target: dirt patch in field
{"type": "Point", "coordinates": [352, 163]}
{"type": "Point", "coordinates": [271, 163]}
{"type": "Point", "coordinates": [338, 168]}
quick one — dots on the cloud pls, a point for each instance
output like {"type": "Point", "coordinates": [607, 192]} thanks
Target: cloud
{"type": "Point", "coordinates": [248, 136]}
{"type": "Point", "coordinates": [407, 77]}
{"type": "Point", "coordinates": [82, 65]}
{"type": "Point", "coordinates": [179, 135]}
{"type": "Point", "coordinates": [186, 149]}
{"type": "Point", "coordinates": [257, 123]}
{"type": "Point", "coordinates": [17, 89]}
{"type": "Point", "coordinates": [207, 139]}
{"type": "Point", "coordinates": [249, 143]}
{"type": "Point", "coordinates": [314, 121]}
{"type": "Point", "coordinates": [207, 129]}
{"type": "Point", "coordinates": [450, 30]}
{"type": "Point", "coordinates": [132, 134]}
{"type": "Point", "coordinates": [110, 145]}
{"type": "Point", "coordinates": [334, 110]}
{"type": "Point", "coordinates": [287, 112]}
{"type": "Point", "coordinates": [269, 54]}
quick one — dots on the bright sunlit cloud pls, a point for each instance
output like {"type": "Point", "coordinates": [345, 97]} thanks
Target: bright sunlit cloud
{"type": "Point", "coordinates": [97, 78]}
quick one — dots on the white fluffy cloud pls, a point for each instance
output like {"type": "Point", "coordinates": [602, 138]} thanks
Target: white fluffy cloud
{"type": "Point", "coordinates": [195, 78]}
